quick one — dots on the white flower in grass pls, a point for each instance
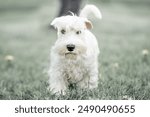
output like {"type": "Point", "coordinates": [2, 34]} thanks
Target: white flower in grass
{"type": "Point", "coordinates": [125, 97]}
{"type": "Point", "coordinates": [9, 58]}
{"type": "Point", "coordinates": [116, 65]}
{"type": "Point", "coordinates": [145, 52]}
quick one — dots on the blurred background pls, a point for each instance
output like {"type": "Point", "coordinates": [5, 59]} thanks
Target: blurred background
{"type": "Point", "coordinates": [26, 38]}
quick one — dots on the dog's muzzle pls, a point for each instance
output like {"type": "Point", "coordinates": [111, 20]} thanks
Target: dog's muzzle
{"type": "Point", "coordinates": [70, 54]}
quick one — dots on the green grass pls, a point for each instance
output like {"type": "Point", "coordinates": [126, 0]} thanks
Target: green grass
{"type": "Point", "coordinates": [122, 35]}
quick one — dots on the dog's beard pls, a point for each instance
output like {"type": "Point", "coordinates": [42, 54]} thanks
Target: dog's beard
{"type": "Point", "coordinates": [73, 55]}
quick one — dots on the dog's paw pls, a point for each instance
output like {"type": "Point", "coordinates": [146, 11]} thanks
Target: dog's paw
{"type": "Point", "coordinates": [57, 91]}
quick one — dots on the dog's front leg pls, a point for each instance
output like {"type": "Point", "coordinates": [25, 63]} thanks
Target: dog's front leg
{"type": "Point", "coordinates": [56, 81]}
{"type": "Point", "coordinates": [93, 80]}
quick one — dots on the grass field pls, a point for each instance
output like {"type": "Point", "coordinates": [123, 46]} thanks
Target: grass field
{"type": "Point", "coordinates": [123, 34]}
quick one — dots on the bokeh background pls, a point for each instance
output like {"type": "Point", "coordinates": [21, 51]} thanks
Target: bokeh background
{"type": "Point", "coordinates": [26, 37]}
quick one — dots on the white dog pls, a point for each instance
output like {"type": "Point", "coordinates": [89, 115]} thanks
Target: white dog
{"type": "Point", "coordinates": [74, 56]}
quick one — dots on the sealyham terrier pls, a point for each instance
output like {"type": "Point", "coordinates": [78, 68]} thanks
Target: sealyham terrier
{"type": "Point", "coordinates": [74, 56]}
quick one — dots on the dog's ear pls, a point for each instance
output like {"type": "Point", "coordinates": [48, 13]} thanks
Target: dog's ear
{"type": "Point", "coordinates": [55, 22]}
{"type": "Point", "coordinates": [88, 24]}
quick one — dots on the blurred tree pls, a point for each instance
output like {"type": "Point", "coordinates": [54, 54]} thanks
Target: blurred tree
{"type": "Point", "coordinates": [69, 5]}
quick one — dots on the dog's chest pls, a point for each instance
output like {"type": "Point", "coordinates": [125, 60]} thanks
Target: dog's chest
{"type": "Point", "coordinates": [74, 72]}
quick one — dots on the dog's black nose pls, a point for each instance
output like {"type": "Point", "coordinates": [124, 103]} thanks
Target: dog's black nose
{"type": "Point", "coordinates": [70, 47]}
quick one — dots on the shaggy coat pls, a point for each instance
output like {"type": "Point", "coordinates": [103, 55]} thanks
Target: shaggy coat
{"type": "Point", "coordinates": [78, 64]}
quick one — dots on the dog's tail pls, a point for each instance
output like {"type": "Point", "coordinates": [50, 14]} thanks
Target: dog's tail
{"type": "Point", "coordinates": [89, 10]}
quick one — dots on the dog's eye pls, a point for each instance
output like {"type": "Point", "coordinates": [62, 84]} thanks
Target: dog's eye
{"type": "Point", "coordinates": [63, 31]}
{"type": "Point", "coordinates": [78, 32]}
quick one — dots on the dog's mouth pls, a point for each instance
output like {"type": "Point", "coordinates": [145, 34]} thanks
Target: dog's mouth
{"type": "Point", "coordinates": [71, 55]}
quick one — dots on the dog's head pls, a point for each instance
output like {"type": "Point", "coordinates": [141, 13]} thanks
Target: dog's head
{"type": "Point", "coordinates": [71, 40]}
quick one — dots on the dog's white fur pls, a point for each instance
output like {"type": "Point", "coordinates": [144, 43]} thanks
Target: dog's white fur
{"type": "Point", "coordinates": [79, 66]}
